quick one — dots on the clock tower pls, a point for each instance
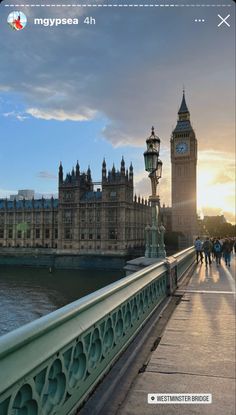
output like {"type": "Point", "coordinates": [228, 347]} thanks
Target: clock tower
{"type": "Point", "coordinates": [184, 169]}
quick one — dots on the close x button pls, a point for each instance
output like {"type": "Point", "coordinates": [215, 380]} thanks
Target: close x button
{"type": "Point", "coordinates": [223, 20]}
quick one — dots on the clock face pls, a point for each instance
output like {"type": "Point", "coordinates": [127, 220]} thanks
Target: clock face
{"type": "Point", "coordinates": [181, 147]}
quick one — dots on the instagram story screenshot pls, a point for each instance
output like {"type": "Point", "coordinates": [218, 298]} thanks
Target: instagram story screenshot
{"type": "Point", "coordinates": [117, 207]}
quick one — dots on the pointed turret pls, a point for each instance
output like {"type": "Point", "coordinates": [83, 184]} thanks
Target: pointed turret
{"type": "Point", "coordinates": [131, 172]}
{"type": "Point", "coordinates": [113, 170]}
{"type": "Point", "coordinates": [89, 178]}
{"type": "Point", "coordinates": [60, 173]}
{"type": "Point", "coordinates": [104, 169]}
{"type": "Point", "coordinates": [77, 169]}
{"type": "Point", "coordinates": [122, 166]}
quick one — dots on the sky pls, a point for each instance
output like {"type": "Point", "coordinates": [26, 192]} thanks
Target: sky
{"type": "Point", "coordinates": [85, 92]}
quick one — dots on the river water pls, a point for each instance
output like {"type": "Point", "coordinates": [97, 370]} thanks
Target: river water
{"type": "Point", "coordinates": [29, 293]}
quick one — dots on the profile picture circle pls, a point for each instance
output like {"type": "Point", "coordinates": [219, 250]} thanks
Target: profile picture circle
{"type": "Point", "coordinates": [17, 20]}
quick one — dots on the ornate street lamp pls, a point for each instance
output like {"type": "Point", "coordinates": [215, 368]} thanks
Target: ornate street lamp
{"type": "Point", "coordinates": [155, 247]}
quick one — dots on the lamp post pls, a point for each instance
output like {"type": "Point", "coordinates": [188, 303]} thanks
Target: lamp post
{"type": "Point", "coordinates": [155, 247]}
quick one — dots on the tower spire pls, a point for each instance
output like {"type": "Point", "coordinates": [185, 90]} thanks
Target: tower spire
{"type": "Point", "coordinates": [122, 166]}
{"type": "Point", "coordinates": [60, 173]}
{"type": "Point", "coordinates": [77, 169]}
{"type": "Point", "coordinates": [183, 107]}
{"type": "Point", "coordinates": [104, 169]}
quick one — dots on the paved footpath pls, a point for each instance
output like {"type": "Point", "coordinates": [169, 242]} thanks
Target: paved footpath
{"type": "Point", "coordinates": [197, 350]}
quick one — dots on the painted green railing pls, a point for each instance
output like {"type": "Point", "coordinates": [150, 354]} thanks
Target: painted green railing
{"type": "Point", "coordinates": [50, 366]}
{"type": "Point", "coordinates": [184, 260]}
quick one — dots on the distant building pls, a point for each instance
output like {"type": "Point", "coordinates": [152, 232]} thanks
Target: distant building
{"type": "Point", "coordinates": [216, 225]}
{"type": "Point", "coordinates": [219, 219]}
{"type": "Point", "coordinates": [23, 194]}
{"type": "Point", "coordinates": [106, 221]}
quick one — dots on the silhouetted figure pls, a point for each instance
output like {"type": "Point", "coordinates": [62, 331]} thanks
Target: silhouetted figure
{"type": "Point", "coordinates": [227, 249]}
{"type": "Point", "coordinates": [198, 249]}
{"type": "Point", "coordinates": [207, 248]}
{"type": "Point", "coordinates": [217, 249]}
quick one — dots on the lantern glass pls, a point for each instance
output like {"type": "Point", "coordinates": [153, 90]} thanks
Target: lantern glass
{"type": "Point", "coordinates": [159, 169]}
{"type": "Point", "coordinates": [157, 142]}
{"type": "Point", "coordinates": [151, 161]}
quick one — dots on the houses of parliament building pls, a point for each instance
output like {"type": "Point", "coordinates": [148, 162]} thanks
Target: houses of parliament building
{"type": "Point", "coordinates": [108, 220]}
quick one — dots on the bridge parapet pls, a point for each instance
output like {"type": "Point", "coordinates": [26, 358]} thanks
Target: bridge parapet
{"type": "Point", "coordinates": [51, 365]}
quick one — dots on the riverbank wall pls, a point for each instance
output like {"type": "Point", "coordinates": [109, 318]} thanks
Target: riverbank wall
{"type": "Point", "coordinates": [59, 259]}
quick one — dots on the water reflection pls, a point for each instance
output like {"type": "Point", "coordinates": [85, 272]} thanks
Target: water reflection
{"type": "Point", "coordinates": [29, 293]}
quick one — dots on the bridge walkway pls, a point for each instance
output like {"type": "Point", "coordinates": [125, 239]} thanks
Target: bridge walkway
{"type": "Point", "coordinates": [196, 353]}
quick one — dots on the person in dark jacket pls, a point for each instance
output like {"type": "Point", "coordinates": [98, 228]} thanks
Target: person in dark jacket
{"type": "Point", "coordinates": [207, 248]}
{"type": "Point", "coordinates": [227, 249]}
{"type": "Point", "coordinates": [217, 248]}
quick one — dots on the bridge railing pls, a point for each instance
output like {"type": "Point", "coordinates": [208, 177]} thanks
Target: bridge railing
{"type": "Point", "coordinates": [184, 259]}
{"type": "Point", "coordinates": [50, 365]}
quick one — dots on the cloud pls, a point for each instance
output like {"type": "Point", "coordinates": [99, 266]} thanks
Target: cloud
{"type": "Point", "coordinates": [60, 115]}
{"type": "Point", "coordinates": [223, 178]}
{"type": "Point", "coordinates": [4, 88]}
{"type": "Point", "coordinates": [142, 187]}
{"type": "Point", "coordinates": [211, 155]}
{"type": "Point", "coordinates": [18, 115]}
{"type": "Point", "coordinates": [216, 167]}
{"type": "Point", "coordinates": [46, 175]}
{"type": "Point", "coordinates": [131, 77]}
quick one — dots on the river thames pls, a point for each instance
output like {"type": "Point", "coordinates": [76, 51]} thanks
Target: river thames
{"type": "Point", "coordinates": [29, 293]}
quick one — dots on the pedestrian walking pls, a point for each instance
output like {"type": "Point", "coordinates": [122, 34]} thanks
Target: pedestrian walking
{"type": "Point", "coordinates": [227, 249]}
{"type": "Point", "coordinates": [198, 249]}
{"type": "Point", "coordinates": [207, 248]}
{"type": "Point", "coordinates": [217, 248]}
{"type": "Point", "coordinates": [213, 256]}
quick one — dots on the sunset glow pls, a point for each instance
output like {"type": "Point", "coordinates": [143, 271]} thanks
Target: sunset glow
{"type": "Point", "coordinates": [216, 187]}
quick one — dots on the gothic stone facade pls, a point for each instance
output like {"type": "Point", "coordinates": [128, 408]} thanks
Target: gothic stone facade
{"type": "Point", "coordinates": [109, 220]}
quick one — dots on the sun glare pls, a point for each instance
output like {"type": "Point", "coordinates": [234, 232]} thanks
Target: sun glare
{"type": "Point", "coordinates": [211, 194]}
